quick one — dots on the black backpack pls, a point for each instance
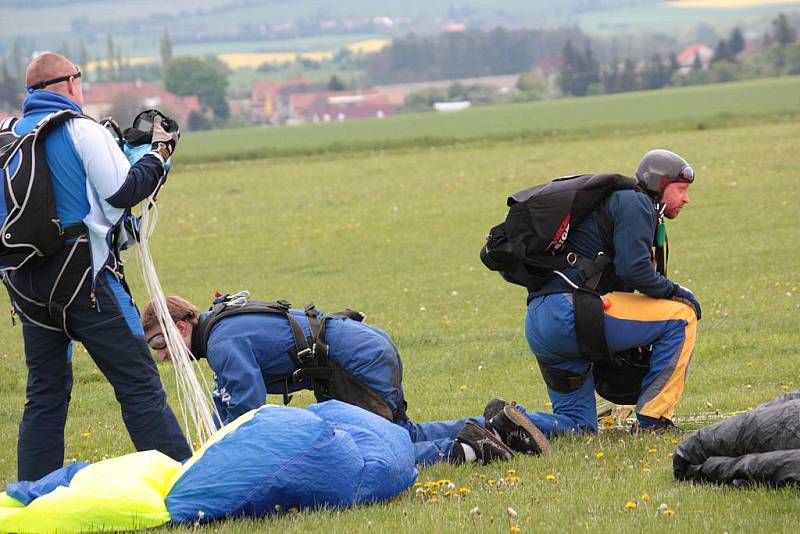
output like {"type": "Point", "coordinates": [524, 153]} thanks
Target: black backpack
{"type": "Point", "coordinates": [29, 224]}
{"type": "Point", "coordinates": [532, 243]}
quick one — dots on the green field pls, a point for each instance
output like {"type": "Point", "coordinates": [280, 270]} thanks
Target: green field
{"type": "Point", "coordinates": [396, 233]}
{"type": "Point", "coordinates": [666, 110]}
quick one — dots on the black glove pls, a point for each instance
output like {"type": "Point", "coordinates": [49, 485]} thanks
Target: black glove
{"type": "Point", "coordinates": [164, 142]}
{"type": "Point", "coordinates": [687, 297]}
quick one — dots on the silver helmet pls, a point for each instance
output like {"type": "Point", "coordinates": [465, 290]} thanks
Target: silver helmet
{"type": "Point", "coordinates": [660, 167]}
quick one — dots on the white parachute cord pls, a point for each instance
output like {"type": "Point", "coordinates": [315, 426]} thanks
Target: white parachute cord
{"type": "Point", "coordinates": [197, 410]}
{"type": "Point", "coordinates": [610, 422]}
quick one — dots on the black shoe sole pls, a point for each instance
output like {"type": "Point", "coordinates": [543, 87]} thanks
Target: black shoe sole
{"type": "Point", "coordinates": [522, 420]}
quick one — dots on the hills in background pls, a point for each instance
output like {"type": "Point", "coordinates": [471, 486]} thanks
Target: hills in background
{"type": "Point", "coordinates": [218, 26]}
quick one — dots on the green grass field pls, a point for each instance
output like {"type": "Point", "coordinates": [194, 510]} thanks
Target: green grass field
{"type": "Point", "coordinates": [396, 233]}
{"type": "Point", "coordinates": [621, 114]}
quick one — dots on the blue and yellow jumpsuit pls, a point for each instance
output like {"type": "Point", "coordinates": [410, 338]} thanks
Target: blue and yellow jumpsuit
{"type": "Point", "coordinates": [632, 320]}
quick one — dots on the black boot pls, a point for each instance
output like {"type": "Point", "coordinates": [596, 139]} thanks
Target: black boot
{"type": "Point", "coordinates": [663, 426]}
{"type": "Point", "coordinates": [514, 428]}
{"type": "Point", "coordinates": [486, 445]}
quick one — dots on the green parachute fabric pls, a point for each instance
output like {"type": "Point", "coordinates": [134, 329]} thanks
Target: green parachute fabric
{"type": "Point", "coordinates": [125, 493]}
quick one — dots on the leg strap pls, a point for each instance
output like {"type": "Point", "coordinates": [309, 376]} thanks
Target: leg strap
{"type": "Point", "coordinates": [563, 381]}
{"type": "Point", "coordinates": [590, 326]}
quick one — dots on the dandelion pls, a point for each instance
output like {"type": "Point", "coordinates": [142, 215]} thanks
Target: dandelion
{"type": "Point", "coordinates": [663, 507]}
{"type": "Point", "coordinates": [646, 497]}
{"type": "Point", "coordinates": [599, 455]}
{"type": "Point", "coordinates": [87, 434]}
{"type": "Point", "coordinates": [515, 529]}
{"type": "Point", "coordinates": [464, 490]}
{"type": "Point", "coordinates": [646, 470]}
{"type": "Point", "coordinates": [670, 513]}
{"type": "Point", "coordinates": [511, 512]}
{"type": "Point", "coordinates": [749, 364]}
{"type": "Point", "coordinates": [420, 491]}
{"type": "Point", "coordinates": [550, 476]}
{"type": "Point", "coordinates": [475, 511]}
{"type": "Point", "coordinates": [652, 450]}
{"type": "Point", "coordinates": [462, 387]}
{"type": "Point", "coordinates": [511, 471]}
{"type": "Point", "coordinates": [630, 505]}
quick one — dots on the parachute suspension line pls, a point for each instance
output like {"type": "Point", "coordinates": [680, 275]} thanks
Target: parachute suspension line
{"type": "Point", "coordinates": [198, 412]}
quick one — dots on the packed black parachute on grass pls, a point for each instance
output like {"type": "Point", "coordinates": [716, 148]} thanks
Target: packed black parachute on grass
{"type": "Point", "coordinates": [759, 447]}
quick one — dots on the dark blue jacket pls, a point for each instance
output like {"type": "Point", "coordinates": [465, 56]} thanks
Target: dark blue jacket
{"type": "Point", "coordinates": [634, 221]}
{"type": "Point", "coordinates": [248, 351]}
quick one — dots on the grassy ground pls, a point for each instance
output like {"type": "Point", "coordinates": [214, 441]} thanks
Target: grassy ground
{"type": "Point", "coordinates": [396, 234]}
{"type": "Point", "coordinates": [667, 110]}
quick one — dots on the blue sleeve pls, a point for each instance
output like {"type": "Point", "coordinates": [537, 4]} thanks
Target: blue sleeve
{"type": "Point", "coordinates": [140, 183]}
{"type": "Point", "coordinates": [240, 384]}
{"type": "Point", "coordinates": [634, 228]}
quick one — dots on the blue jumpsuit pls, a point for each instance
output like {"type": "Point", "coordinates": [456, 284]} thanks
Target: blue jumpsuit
{"type": "Point", "coordinates": [631, 320]}
{"type": "Point", "coordinates": [248, 351]}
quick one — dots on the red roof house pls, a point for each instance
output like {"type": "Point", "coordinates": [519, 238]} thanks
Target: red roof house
{"type": "Point", "coordinates": [99, 98]}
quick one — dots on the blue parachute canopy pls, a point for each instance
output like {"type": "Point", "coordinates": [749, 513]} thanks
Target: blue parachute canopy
{"type": "Point", "coordinates": [274, 458]}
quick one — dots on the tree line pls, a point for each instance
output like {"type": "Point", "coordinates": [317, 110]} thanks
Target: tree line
{"type": "Point", "coordinates": [777, 53]}
{"type": "Point", "coordinates": [466, 54]}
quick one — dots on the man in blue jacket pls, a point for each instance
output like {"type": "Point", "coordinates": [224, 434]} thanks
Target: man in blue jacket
{"type": "Point", "coordinates": [79, 293]}
{"type": "Point", "coordinates": [642, 306]}
{"type": "Point", "coordinates": [256, 348]}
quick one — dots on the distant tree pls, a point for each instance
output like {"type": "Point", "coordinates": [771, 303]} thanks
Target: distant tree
{"type": "Point", "coordinates": [629, 78]}
{"type": "Point", "coordinates": [673, 64]}
{"type": "Point", "coordinates": [611, 76]}
{"type": "Point", "coordinates": [697, 64]}
{"type": "Point", "coordinates": [9, 89]}
{"type": "Point", "coordinates": [784, 34]}
{"type": "Point", "coordinates": [18, 62]}
{"type": "Point", "coordinates": [188, 75]}
{"type": "Point", "coordinates": [570, 68]}
{"type": "Point", "coordinates": [111, 55]}
{"type": "Point", "coordinates": [723, 51]}
{"type": "Point", "coordinates": [335, 84]}
{"type": "Point", "coordinates": [589, 73]}
{"type": "Point", "coordinates": [83, 56]}
{"type": "Point", "coordinates": [655, 73]}
{"type": "Point", "coordinates": [736, 41]}
{"type": "Point", "coordinates": [165, 46]}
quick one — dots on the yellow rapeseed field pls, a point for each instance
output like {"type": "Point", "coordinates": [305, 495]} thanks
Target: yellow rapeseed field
{"type": "Point", "coordinates": [253, 60]}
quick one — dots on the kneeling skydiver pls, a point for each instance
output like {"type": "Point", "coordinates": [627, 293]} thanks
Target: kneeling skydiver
{"type": "Point", "coordinates": [256, 348]}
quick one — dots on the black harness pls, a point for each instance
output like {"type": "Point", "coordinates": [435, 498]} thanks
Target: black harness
{"type": "Point", "coordinates": [311, 355]}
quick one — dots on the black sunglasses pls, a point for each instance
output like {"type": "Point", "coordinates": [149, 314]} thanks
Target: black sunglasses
{"type": "Point", "coordinates": [42, 85]}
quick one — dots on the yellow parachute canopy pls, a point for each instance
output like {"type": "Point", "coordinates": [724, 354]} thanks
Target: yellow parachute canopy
{"type": "Point", "coordinates": [125, 493]}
